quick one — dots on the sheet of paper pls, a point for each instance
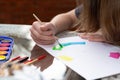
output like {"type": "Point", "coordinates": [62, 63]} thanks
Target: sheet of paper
{"type": "Point", "coordinates": [90, 60]}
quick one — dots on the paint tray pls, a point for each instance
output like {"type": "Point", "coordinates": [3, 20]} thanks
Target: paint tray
{"type": "Point", "coordinates": [6, 47]}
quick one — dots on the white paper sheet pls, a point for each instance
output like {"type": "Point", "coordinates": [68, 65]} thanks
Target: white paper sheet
{"type": "Point", "coordinates": [90, 60]}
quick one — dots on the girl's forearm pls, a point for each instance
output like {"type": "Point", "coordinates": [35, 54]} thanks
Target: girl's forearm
{"type": "Point", "coordinates": [63, 21]}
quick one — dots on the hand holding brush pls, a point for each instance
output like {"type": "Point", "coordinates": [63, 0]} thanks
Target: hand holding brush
{"type": "Point", "coordinates": [43, 33]}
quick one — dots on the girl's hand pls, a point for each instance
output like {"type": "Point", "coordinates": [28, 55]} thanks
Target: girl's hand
{"type": "Point", "coordinates": [95, 37]}
{"type": "Point", "coordinates": [43, 33]}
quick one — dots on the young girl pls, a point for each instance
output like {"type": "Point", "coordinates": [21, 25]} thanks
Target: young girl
{"type": "Point", "coordinates": [98, 19]}
{"type": "Point", "coordinates": [95, 20]}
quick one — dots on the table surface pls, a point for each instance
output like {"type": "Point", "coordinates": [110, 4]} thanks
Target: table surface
{"type": "Point", "coordinates": [25, 46]}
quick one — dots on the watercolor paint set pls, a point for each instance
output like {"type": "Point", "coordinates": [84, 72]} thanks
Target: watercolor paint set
{"type": "Point", "coordinates": [6, 47]}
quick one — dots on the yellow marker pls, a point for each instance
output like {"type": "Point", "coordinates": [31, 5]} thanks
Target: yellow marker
{"type": "Point", "coordinates": [3, 52]}
{"type": "Point", "coordinates": [2, 57]}
{"type": "Point", "coordinates": [66, 58]}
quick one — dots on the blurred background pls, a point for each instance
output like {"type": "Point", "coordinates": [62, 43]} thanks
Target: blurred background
{"type": "Point", "coordinates": [20, 11]}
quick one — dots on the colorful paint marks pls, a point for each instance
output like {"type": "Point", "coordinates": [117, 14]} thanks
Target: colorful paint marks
{"type": "Point", "coordinates": [58, 47]}
{"type": "Point", "coordinates": [4, 48]}
{"type": "Point", "coordinates": [2, 57]}
{"type": "Point", "coordinates": [73, 43]}
{"type": "Point", "coordinates": [65, 58]}
{"type": "Point", "coordinates": [6, 41]}
{"type": "Point", "coordinates": [3, 52]}
{"type": "Point", "coordinates": [115, 55]}
{"type": "Point", "coordinates": [4, 44]}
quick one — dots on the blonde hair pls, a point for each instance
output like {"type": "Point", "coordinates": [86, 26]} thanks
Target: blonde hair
{"type": "Point", "coordinates": [104, 15]}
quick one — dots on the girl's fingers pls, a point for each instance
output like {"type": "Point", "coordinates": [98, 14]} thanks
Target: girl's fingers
{"type": "Point", "coordinates": [47, 33]}
{"type": "Point", "coordinates": [40, 36]}
{"type": "Point", "coordinates": [34, 33]}
{"type": "Point", "coordinates": [41, 40]}
{"type": "Point", "coordinates": [46, 42]}
{"type": "Point", "coordinates": [47, 27]}
{"type": "Point", "coordinates": [83, 35]}
{"type": "Point", "coordinates": [42, 33]}
{"type": "Point", "coordinates": [92, 37]}
{"type": "Point", "coordinates": [96, 38]}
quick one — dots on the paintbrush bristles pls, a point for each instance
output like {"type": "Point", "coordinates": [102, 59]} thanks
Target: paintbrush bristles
{"type": "Point", "coordinates": [59, 44]}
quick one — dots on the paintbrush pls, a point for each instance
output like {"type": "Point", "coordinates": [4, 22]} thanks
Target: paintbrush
{"type": "Point", "coordinates": [41, 23]}
{"type": "Point", "coordinates": [16, 58]}
{"type": "Point", "coordinates": [37, 59]}
{"type": "Point", "coordinates": [23, 60]}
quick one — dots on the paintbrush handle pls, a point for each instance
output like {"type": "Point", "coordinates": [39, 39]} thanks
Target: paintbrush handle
{"type": "Point", "coordinates": [31, 62]}
{"type": "Point", "coordinates": [23, 60]}
{"type": "Point", "coordinates": [37, 18]}
{"type": "Point", "coordinates": [38, 59]}
{"type": "Point", "coordinates": [18, 57]}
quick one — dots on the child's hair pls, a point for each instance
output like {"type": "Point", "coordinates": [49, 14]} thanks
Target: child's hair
{"type": "Point", "coordinates": [101, 15]}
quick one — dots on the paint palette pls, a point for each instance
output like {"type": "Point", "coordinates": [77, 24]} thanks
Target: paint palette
{"type": "Point", "coordinates": [6, 47]}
